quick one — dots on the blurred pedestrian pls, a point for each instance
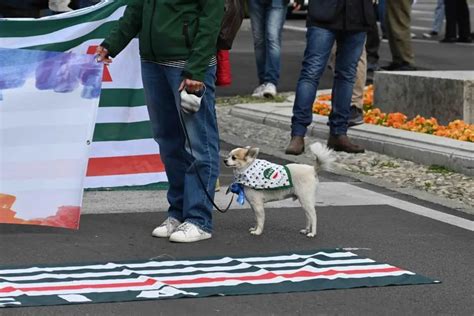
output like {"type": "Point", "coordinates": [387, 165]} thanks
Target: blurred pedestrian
{"type": "Point", "coordinates": [344, 22]}
{"type": "Point", "coordinates": [267, 18]}
{"type": "Point", "coordinates": [438, 20]}
{"type": "Point", "coordinates": [398, 22]}
{"type": "Point", "coordinates": [458, 24]}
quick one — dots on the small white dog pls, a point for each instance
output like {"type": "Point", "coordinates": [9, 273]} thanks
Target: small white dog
{"type": "Point", "coordinates": [263, 182]}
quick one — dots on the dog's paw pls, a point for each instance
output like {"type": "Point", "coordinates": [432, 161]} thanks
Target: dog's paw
{"type": "Point", "coordinates": [310, 235]}
{"type": "Point", "coordinates": [255, 231]}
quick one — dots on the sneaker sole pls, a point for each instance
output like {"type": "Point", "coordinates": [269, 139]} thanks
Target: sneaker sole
{"type": "Point", "coordinates": [190, 240]}
{"type": "Point", "coordinates": [160, 236]}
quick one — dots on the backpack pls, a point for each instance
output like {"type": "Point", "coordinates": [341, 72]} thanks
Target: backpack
{"type": "Point", "coordinates": [231, 22]}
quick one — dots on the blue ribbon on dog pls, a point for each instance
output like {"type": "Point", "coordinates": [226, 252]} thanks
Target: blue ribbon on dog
{"type": "Point", "coordinates": [238, 189]}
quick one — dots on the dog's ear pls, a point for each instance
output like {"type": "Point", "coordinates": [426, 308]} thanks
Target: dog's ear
{"type": "Point", "coordinates": [253, 152]}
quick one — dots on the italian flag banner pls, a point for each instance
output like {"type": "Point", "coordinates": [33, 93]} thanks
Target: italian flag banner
{"type": "Point", "coordinates": [303, 271]}
{"type": "Point", "coordinates": [123, 152]}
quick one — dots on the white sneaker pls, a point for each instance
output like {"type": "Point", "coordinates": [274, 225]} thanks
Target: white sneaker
{"type": "Point", "coordinates": [188, 232]}
{"type": "Point", "coordinates": [166, 228]}
{"type": "Point", "coordinates": [270, 90]}
{"type": "Point", "coordinates": [258, 92]}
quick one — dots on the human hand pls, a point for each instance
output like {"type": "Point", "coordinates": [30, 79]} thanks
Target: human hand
{"type": "Point", "coordinates": [103, 55]}
{"type": "Point", "coordinates": [191, 85]}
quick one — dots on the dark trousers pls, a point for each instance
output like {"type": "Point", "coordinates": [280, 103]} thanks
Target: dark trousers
{"type": "Point", "coordinates": [372, 45]}
{"type": "Point", "coordinates": [457, 19]}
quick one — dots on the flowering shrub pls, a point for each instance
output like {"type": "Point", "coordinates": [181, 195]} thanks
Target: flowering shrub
{"type": "Point", "coordinates": [457, 129]}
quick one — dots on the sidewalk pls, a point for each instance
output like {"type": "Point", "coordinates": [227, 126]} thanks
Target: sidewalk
{"type": "Point", "coordinates": [404, 161]}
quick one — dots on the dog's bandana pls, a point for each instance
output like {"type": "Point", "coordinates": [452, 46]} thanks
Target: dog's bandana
{"type": "Point", "coordinates": [262, 174]}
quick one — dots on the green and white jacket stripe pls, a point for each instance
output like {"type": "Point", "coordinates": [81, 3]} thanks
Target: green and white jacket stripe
{"type": "Point", "coordinates": [262, 174]}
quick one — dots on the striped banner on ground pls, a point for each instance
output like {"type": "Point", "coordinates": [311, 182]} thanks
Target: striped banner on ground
{"type": "Point", "coordinates": [123, 151]}
{"type": "Point", "coordinates": [151, 280]}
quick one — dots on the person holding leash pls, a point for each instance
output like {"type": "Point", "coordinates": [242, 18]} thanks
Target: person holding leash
{"type": "Point", "coordinates": [177, 48]}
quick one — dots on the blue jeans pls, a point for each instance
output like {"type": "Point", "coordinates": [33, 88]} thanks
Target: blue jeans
{"type": "Point", "coordinates": [438, 16]}
{"type": "Point", "coordinates": [187, 199]}
{"type": "Point", "coordinates": [381, 15]}
{"type": "Point", "coordinates": [267, 18]}
{"type": "Point", "coordinates": [319, 42]}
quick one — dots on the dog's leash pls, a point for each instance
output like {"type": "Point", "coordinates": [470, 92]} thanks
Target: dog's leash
{"type": "Point", "coordinates": [185, 130]}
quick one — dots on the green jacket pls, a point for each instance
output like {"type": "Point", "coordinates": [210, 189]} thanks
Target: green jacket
{"type": "Point", "coordinates": [171, 30]}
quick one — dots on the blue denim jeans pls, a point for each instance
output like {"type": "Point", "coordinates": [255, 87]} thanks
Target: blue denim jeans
{"type": "Point", "coordinates": [267, 18]}
{"type": "Point", "coordinates": [319, 42]}
{"type": "Point", "coordinates": [438, 16]}
{"type": "Point", "coordinates": [186, 196]}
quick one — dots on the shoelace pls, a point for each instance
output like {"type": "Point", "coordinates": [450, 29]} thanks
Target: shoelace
{"type": "Point", "coordinates": [184, 227]}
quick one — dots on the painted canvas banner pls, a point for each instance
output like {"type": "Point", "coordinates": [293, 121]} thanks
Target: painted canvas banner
{"type": "Point", "coordinates": [48, 107]}
{"type": "Point", "coordinates": [123, 152]}
{"type": "Point", "coordinates": [219, 276]}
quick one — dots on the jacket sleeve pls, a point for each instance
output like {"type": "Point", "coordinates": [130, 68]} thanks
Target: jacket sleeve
{"type": "Point", "coordinates": [205, 41]}
{"type": "Point", "coordinates": [128, 26]}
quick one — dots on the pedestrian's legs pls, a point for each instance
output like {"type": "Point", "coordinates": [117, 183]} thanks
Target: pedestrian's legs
{"type": "Point", "coordinates": [165, 128]}
{"type": "Point", "coordinates": [372, 48]}
{"type": "Point", "coordinates": [275, 19]}
{"type": "Point", "coordinates": [451, 25]}
{"type": "Point", "coordinates": [398, 18]}
{"type": "Point", "coordinates": [381, 15]}
{"type": "Point", "coordinates": [357, 98]}
{"type": "Point", "coordinates": [438, 16]}
{"type": "Point", "coordinates": [464, 23]}
{"type": "Point", "coordinates": [258, 16]}
{"type": "Point", "coordinates": [202, 152]}
{"type": "Point", "coordinates": [187, 199]}
{"type": "Point", "coordinates": [349, 50]}
{"type": "Point", "coordinates": [319, 42]}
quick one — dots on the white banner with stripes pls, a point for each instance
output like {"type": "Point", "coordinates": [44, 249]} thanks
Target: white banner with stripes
{"type": "Point", "coordinates": [123, 151]}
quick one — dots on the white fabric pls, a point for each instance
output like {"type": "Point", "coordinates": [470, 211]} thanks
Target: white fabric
{"type": "Point", "coordinates": [262, 174]}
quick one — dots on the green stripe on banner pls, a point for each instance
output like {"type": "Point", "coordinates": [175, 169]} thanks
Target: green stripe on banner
{"type": "Point", "coordinates": [25, 28]}
{"type": "Point", "coordinates": [122, 97]}
{"type": "Point", "coordinates": [146, 187]}
{"type": "Point", "coordinates": [122, 131]}
{"type": "Point", "coordinates": [99, 33]}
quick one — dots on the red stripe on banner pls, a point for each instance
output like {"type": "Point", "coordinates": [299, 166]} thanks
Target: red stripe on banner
{"type": "Point", "coordinates": [109, 166]}
{"type": "Point", "coordinates": [304, 273]}
{"type": "Point", "coordinates": [266, 276]}
{"type": "Point", "coordinates": [78, 286]}
{"type": "Point", "coordinates": [269, 276]}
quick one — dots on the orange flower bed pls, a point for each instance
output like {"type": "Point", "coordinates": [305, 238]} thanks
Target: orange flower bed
{"type": "Point", "coordinates": [457, 129]}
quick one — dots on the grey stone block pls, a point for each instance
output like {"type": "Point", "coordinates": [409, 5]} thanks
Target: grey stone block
{"type": "Point", "coordinates": [445, 95]}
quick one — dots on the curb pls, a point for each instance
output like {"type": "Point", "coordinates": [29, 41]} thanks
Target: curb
{"type": "Point", "coordinates": [417, 147]}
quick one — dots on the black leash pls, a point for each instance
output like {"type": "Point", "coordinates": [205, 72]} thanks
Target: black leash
{"type": "Point", "coordinates": [185, 130]}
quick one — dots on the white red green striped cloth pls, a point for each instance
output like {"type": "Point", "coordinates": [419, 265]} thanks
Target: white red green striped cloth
{"type": "Point", "coordinates": [123, 151]}
{"type": "Point", "coordinates": [145, 280]}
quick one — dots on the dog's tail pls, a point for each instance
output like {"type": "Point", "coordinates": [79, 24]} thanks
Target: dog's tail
{"type": "Point", "coordinates": [323, 156]}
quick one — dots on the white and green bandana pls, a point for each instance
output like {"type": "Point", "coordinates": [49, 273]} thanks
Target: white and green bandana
{"type": "Point", "coordinates": [262, 174]}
